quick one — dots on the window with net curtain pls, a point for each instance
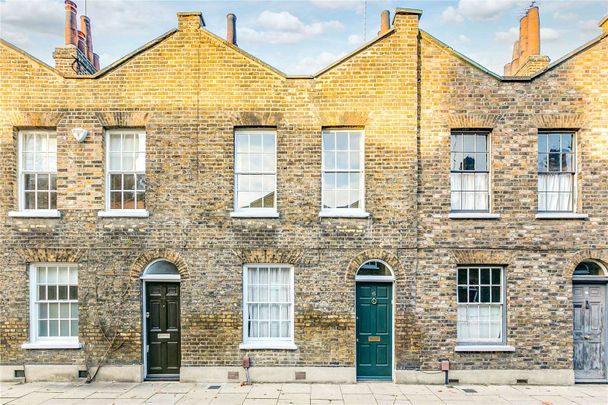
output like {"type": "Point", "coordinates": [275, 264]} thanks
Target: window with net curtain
{"type": "Point", "coordinates": [470, 168]}
{"type": "Point", "coordinates": [38, 170]}
{"type": "Point", "coordinates": [255, 170]}
{"type": "Point", "coordinates": [268, 297]}
{"type": "Point", "coordinates": [126, 170]}
{"type": "Point", "coordinates": [342, 171]}
{"type": "Point", "coordinates": [480, 297]}
{"type": "Point", "coordinates": [54, 293]}
{"type": "Point", "coordinates": [556, 171]}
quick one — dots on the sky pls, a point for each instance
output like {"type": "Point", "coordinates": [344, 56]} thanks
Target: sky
{"type": "Point", "coordinates": [302, 37]}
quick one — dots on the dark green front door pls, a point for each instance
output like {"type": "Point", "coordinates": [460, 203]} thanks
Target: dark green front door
{"type": "Point", "coordinates": [374, 331]}
{"type": "Point", "coordinates": [163, 330]}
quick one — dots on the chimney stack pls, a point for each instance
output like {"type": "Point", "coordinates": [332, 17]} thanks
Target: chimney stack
{"type": "Point", "coordinates": [231, 29]}
{"type": "Point", "coordinates": [82, 42]}
{"type": "Point", "coordinates": [96, 61]}
{"type": "Point", "coordinates": [526, 59]}
{"type": "Point", "coordinates": [533, 46]}
{"type": "Point", "coordinates": [70, 31]}
{"type": "Point", "coordinates": [85, 26]}
{"type": "Point", "coordinates": [385, 22]}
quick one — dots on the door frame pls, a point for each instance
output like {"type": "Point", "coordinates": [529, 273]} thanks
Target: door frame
{"type": "Point", "coordinates": [378, 279]}
{"type": "Point", "coordinates": [158, 278]}
{"type": "Point", "coordinates": [590, 280]}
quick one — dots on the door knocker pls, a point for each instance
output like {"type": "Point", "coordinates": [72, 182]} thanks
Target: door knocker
{"type": "Point", "coordinates": [374, 301]}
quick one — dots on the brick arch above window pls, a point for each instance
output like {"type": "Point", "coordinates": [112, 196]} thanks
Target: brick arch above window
{"type": "Point", "coordinates": [149, 256]}
{"type": "Point", "coordinates": [34, 119]}
{"type": "Point", "coordinates": [474, 120]}
{"type": "Point", "coordinates": [50, 255]}
{"type": "Point", "coordinates": [471, 256]}
{"type": "Point", "coordinates": [597, 255]}
{"type": "Point", "coordinates": [270, 256]}
{"type": "Point", "coordinates": [369, 255]}
{"type": "Point", "coordinates": [127, 119]}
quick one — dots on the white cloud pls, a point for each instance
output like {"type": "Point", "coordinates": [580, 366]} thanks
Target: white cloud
{"type": "Point", "coordinates": [464, 39]}
{"type": "Point", "coordinates": [22, 18]}
{"type": "Point", "coordinates": [507, 36]}
{"type": "Point", "coordinates": [355, 39]}
{"type": "Point", "coordinates": [285, 28]}
{"type": "Point", "coordinates": [355, 5]}
{"type": "Point", "coordinates": [312, 64]}
{"type": "Point", "coordinates": [450, 14]}
{"type": "Point", "coordinates": [549, 34]}
{"type": "Point", "coordinates": [481, 10]}
{"type": "Point", "coordinates": [589, 26]}
{"type": "Point", "coordinates": [564, 16]}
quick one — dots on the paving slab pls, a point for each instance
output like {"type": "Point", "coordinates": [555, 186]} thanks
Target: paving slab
{"type": "Point", "coordinates": [355, 389]}
{"type": "Point", "coordinates": [326, 392]}
{"type": "Point", "coordinates": [296, 388]}
{"type": "Point", "coordinates": [164, 398]}
{"type": "Point", "coordinates": [33, 398]}
{"type": "Point", "coordinates": [234, 388]}
{"type": "Point", "coordinates": [265, 391]}
{"type": "Point", "coordinates": [358, 399]}
{"type": "Point", "coordinates": [228, 399]}
{"type": "Point", "coordinates": [294, 398]}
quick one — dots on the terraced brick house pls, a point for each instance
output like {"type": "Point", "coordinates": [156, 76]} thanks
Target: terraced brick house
{"type": "Point", "coordinates": [190, 204]}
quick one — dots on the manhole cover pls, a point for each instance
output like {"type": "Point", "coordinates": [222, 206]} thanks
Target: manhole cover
{"type": "Point", "coordinates": [214, 387]}
{"type": "Point", "coordinates": [469, 390]}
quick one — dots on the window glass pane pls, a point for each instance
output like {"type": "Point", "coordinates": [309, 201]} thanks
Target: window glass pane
{"type": "Point", "coordinates": [496, 294]}
{"type": "Point", "coordinates": [355, 141]}
{"type": "Point", "coordinates": [255, 143]}
{"type": "Point", "coordinates": [269, 144]}
{"type": "Point", "coordinates": [329, 160]}
{"type": "Point", "coordinates": [242, 143]}
{"type": "Point", "coordinates": [329, 141]}
{"type": "Point", "coordinates": [456, 143]}
{"type": "Point", "coordinates": [342, 141]}
{"type": "Point", "coordinates": [566, 143]}
{"type": "Point", "coordinates": [554, 162]}
{"type": "Point", "coordinates": [554, 143]}
{"type": "Point", "coordinates": [543, 162]}
{"type": "Point", "coordinates": [480, 162]}
{"type": "Point", "coordinates": [30, 200]}
{"type": "Point", "coordinates": [129, 143]}
{"type": "Point", "coordinates": [115, 143]}
{"type": "Point", "coordinates": [115, 161]}
{"type": "Point", "coordinates": [469, 143]}
{"type": "Point", "coordinates": [481, 143]}
{"type": "Point", "coordinates": [462, 276]}
{"type": "Point", "coordinates": [342, 160]}
{"type": "Point", "coordinates": [128, 182]}
{"type": "Point", "coordinates": [542, 144]}
{"type": "Point", "coordinates": [468, 161]}
{"type": "Point", "coordinates": [116, 200]}
{"type": "Point", "coordinates": [43, 330]}
{"type": "Point", "coordinates": [484, 276]}
{"type": "Point", "coordinates": [462, 294]}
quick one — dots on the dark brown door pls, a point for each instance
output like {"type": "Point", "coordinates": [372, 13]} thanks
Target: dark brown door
{"type": "Point", "coordinates": [589, 332]}
{"type": "Point", "coordinates": [163, 330]}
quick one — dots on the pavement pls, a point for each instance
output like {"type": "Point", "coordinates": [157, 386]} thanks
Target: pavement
{"type": "Point", "coordinates": [107, 393]}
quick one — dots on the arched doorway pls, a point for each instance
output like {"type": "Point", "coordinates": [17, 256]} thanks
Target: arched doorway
{"type": "Point", "coordinates": [374, 321]}
{"type": "Point", "coordinates": [161, 321]}
{"type": "Point", "coordinates": [590, 334]}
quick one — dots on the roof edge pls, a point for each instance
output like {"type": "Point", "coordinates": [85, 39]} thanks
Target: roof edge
{"type": "Point", "coordinates": [127, 57]}
{"type": "Point", "coordinates": [572, 54]}
{"type": "Point", "coordinates": [20, 51]}
{"type": "Point", "coordinates": [244, 53]}
{"type": "Point", "coordinates": [354, 52]}
{"type": "Point", "coordinates": [459, 55]}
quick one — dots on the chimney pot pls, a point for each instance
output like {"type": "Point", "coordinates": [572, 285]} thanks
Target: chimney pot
{"type": "Point", "coordinates": [533, 47]}
{"type": "Point", "coordinates": [385, 22]}
{"type": "Point", "coordinates": [70, 30]}
{"type": "Point", "coordinates": [82, 38]}
{"type": "Point", "coordinates": [523, 38]}
{"type": "Point", "coordinates": [85, 25]}
{"type": "Point", "coordinates": [96, 61]}
{"type": "Point", "coordinates": [231, 29]}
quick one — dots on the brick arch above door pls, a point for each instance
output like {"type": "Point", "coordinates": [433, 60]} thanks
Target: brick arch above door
{"type": "Point", "coordinates": [137, 269]}
{"type": "Point", "coordinates": [372, 254]}
{"type": "Point", "coordinates": [597, 255]}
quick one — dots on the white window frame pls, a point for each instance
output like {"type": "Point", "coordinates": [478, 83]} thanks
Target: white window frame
{"type": "Point", "coordinates": [267, 343]}
{"type": "Point", "coordinates": [270, 212]}
{"type": "Point", "coordinates": [135, 212]}
{"type": "Point", "coordinates": [22, 211]}
{"type": "Point", "coordinates": [344, 212]}
{"type": "Point", "coordinates": [503, 312]}
{"type": "Point", "coordinates": [48, 342]}
{"type": "Point", "coordinates": [557, 214]}
{"type": "Point", "coordinates": [476, 213]}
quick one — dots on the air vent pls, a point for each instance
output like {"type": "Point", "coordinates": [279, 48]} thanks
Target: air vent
{"type": "Point", "coordinates": [300, 375]}
{"type": "Point", "coordinates": [233, 375]}
{"type": "Point", "coordinates": [214, 387]}
{"type": "Point", "coordinates": [83, 373]}
{"type": "Point", "coordinates": [522, 381]}
{"type": "Point", "coordinates": [19, 373]}
{"type": "Point", "coordinates": [469, 390]}
{"type": "Point", "coordinates": [453, 381]}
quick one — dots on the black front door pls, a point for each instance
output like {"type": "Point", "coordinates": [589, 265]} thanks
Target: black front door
{"type": "Point", "coordinates": [163, 330]}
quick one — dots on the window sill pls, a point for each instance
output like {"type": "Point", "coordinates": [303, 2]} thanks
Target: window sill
{"type": "Point", "coordinates": [35, 214]}
{"type": "Point", "coordinates": [561, 215]}
{"type": "Point", "coordinates": [52, 345]}
{"type": "Point", "coordinates": [343, 214]}
{"type": "Point", "coordinates": [473, 215]}
{"type": "Point", "coordinates": [255, 214]}
{"type": "Point", "coordinates": [268, 345]}
{"type": "Point", "coordinates": [484, 348]}
{"type": "Point", "coordinates": [124, 214]}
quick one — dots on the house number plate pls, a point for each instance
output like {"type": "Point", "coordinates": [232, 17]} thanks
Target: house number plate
{"type": "Point", "coordinates": [373, 338]}
{"type": "Point", "coordinates": [163, 336]}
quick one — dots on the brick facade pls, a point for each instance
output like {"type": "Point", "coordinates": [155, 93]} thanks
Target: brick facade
{"type": "Point", "coordinates": [190, 90]}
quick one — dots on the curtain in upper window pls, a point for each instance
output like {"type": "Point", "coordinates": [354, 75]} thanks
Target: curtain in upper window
{"type": "Point", "coordinates": [38, 170]}
{"type": "Point", "coordinates": [556, 171]}
{"type": "Point", "coordinates": [470, 168]}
